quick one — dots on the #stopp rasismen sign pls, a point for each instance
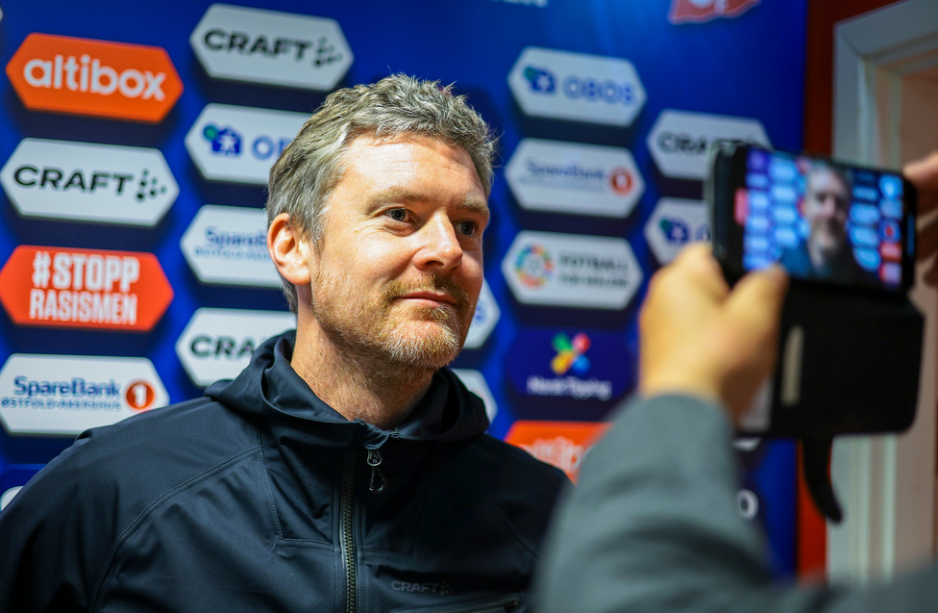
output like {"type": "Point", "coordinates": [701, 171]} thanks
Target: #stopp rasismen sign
{"type": "Point", "coordinates": [134, 154]}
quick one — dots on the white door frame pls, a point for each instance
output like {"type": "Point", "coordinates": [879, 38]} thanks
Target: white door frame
{"type": "Point", "coordinates": [886, 484]}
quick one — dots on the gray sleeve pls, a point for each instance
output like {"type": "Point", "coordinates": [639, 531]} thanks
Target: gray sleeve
{"type": "Point", "coordinates": [653, 526]}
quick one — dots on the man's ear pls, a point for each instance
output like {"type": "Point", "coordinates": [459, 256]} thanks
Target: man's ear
{"type": "Point", "coordinates": [289, 250]}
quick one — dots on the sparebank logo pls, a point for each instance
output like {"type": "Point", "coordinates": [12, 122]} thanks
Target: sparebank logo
{"type": "Point", "coordinates": [699, 11]}
{"type": "Point", "coordinates": [239, 143]}
{"type": "Point", "coordinates": [92, 77]}
{"type": "Point", "coordinates": [74, 288]}
{"type": "Point", "coordinates": [577, 87]}
{"type": "Point", "coordinates": [261, 46]}
{"type": "Point", "coordinates": [218, 343]}
{"type": "Point", "coordinates": [574, 178]}
{"type": "Point", "coordinates": [679, 140]}
{"type": "Point", "coordinates": [674, 224]}
{"type": "Point", "coordinates": [228, 245]}
{"type": "Point", "coordinates": [97, 183]}
{"type": "Point", "coordinates": [67, 394]}
{"type": "Point", "coordinates": [475, 383]}
{"type": "Point", "coordinates": [484, 319]}
{"type": "Point", "coordinates": [572, 270]}
{"type": "Point", "coordinates": [563, 444]}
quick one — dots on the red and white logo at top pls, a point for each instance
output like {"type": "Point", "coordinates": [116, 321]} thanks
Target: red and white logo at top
{"type": "Point", "coordinates": [91, 77]}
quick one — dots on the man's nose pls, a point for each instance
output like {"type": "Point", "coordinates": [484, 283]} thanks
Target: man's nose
{"type": "Point", "coordinates": [440, 248]}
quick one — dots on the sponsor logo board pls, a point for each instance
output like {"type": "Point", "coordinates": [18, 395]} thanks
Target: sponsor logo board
{"type": "Point", "coordinates": [228, 244]}
{"type": "Point", "coordinates": [699, 11]}
{"type": "Point", "coordinates": [576, 87]}
{"type": "Point", "coordinates": [475, 383]}
{"type": "Point", "coordinates": [484, 319]}
{"type": "Point", "coordinates": [92, 77]}
{"type": "Point", "coordinates": [261, 46]}
{"type": "Point", "coordinates": [239, 143]}
{"type": "Point", "coordinates": [89, 182]}
{"type": "Point", "coordinates": [679, 140]}
{"type": "Point", "coordinates": [569, 364]}
{"type": "Point", "coordinates": [572, 270]}
{"type": "Point", "coordinates": [674, 224]}
{"type": "Point", "coordinates": [563, 444]}
{"type": "Point", "coordinates": [218, 343]}
{"type": "Point", "coordinates": [574, 178]}
{"type": "Point", "coordinates": [67, 394]}
{"type": "Point", "coordinates": [77, 288]}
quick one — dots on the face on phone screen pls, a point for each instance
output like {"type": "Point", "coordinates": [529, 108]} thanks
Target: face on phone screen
{"type": "Point", "coordinates": [822, 221]}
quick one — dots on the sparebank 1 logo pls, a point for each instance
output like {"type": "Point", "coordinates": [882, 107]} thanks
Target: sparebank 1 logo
{"type": "Point", "coordinates": [576, 86]}
{"type": "Point", "coordinates": [89, 182]}
{"type": "Point", "coordinates": [533, 266]}
{"type": "Point", "coordinates": [571, 355]}
{"type": "Point", "coordinates": [699, 11]}
{"type": "Point", "coordinates": [240, 144]}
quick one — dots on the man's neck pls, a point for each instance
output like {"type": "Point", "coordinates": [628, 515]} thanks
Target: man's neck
{"type": "Point", "coordinates": [357, 386]}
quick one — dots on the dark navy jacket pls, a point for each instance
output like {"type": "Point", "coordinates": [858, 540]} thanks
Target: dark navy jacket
{"type": "Point", "coordinates": [259, 497]}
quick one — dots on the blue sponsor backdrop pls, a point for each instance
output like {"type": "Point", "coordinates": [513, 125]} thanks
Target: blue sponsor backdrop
{"type": "Point", "coordinates": [748, 66]}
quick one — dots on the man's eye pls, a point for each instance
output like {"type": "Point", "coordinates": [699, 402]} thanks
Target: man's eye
{"type": "Point", "coordinates": [469, 228]}
{"type": "Point", "coordinates": [397, 214]}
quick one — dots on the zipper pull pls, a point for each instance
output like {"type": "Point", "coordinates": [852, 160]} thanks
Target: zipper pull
{"type": "Point", "coordinates": [378, 480]}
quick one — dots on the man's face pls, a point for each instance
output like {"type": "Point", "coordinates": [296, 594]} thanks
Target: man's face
{"type": "Point", "coordinates": [825, 208]}
{"type": "Point", "coordinates": [398, 272]}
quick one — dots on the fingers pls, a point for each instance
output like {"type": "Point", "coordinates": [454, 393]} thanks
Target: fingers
{"type": "Point", "coordinates": [924, 174]}
{"type": "Point", "coordinates": [696, 265]}
{"type": "Point", "coordinates": [756, 302]}
{"type": "Point", "coordinates": [927, 243]}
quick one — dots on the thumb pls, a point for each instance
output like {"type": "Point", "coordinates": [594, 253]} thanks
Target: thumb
{"type": "Point", "coordinates": [755, 305]}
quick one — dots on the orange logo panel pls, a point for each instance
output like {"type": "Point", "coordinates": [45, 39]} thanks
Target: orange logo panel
{"type": "Point", "coordinates": [91, 77]}
{"type": "Point", "coordinates": [563, 444]}
{"type": "Point", "coordinates": [74, 288]}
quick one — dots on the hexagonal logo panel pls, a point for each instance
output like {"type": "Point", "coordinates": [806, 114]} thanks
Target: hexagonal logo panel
{"type": "Point", "coordinates": [484, 319]}
{"type": "Point", "coordinates": [674, 224]}
{"type": "Point", "coordinates": [228, 245]}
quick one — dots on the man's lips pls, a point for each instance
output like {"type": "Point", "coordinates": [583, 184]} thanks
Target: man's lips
{"type": "Point", "coordinates": [430, 296]}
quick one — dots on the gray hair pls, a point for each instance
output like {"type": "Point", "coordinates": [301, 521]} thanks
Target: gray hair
{"type": "Point", "coordinates": [312, 165]}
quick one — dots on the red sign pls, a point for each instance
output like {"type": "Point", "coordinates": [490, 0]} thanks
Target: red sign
{"type": "Point", "coordinates": [563, 444]}
{"type": "Point", "coordinates": [74, 288]}
{"type": "Point", "coordinates": [699, 11]}
{"type": "Point", "coordinates": [91, 77]}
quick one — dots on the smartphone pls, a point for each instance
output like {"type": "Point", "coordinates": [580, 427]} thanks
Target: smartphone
{"type": "Point", "coordinates": [827, 223]}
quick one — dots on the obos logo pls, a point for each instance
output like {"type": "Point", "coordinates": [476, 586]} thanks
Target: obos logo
{"type": "Point", "coordinates": [91, 77]}
{"type": "Point", "coordinates": [74, 288]}
{"type": "Point", "coordinates": [674, 224]}
{"type": "Point", "coordinates": [574, 178]}
{"type": "Point", "coordinates": [240, 144]}
{"type": "Point", "coordinates": [699, 11]}
{"type": "Point", "coordinates": [218, 343]}
{"type": "Point", "coordinates": [484, 319]}
{"type": "Point", "coordinates": [563, 444]}
{"type": "Point", "coordinates": [679, 140]}
{"type": "Point", "coordinates": [228, 244]}
{"type": "Point", "coordinates": [571, 270]}
{"type": "Point", "coordinates": [574, 365]}
{"type": "Point", "coordinates": [577, 87]}
{"type": "Point", "coordinates": [248, 44]}
{"type": "Point", "coordinates": [99, 183]}
{"type": "Point", "coordinates": [67, 394]}
{"type": "Point", "coordinates": [475, 383]}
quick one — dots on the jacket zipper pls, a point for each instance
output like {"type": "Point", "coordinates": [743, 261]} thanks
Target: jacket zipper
{"type": "Point", "coordinates": [348, 541]}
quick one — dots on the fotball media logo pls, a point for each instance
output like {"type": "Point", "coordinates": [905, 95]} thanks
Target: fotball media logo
{"type": "Point", "coordinates": [90, 77]}
{"type": "Point", "coordinates": [67, 394]}
{"type": "Point", "coordinates": [98, 183]}
{"type": "Point", "coordinates": [60, 287]}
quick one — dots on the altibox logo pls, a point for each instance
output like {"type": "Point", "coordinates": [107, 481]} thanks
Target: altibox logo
{"type": "Point", "coordinates": [218, 343]}
{"type": "Point", "coordinates": [563, 444]}
{"type": "Point", "coordinates": [67, 394]}
{"type": "Point", "coordinates": [228, 244]}
{"type": "Point", "coordinates": [674, 224]}
{"type": "Point", "coordinates": [699, 11]}
{"type": "Point", "coordinates": [73, 288]}
{"type": "Point", "coordinates": [679, 140]}
{"type": "Point", "coordinates": [475, 383]}
{"type": "Point", "coordinates": [573, 178]}
{"type": "Point", "coordinates": [484, 319]}
{"type": "Point", "coordinates": [92, 77]}
{"type": "Point", "coordinates": [239, 143]}
{"type": "Point", "coordinates": [260, 46]}
{"type": "Point", "coordinates": [98, 183]}
{"type": "Point", "coordinates": [576, 86]}
{"type": "Point", "coordinates": [571, 270]}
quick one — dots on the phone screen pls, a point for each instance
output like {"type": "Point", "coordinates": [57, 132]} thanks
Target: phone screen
{"type": "Point", "coordinates": [824, 221]}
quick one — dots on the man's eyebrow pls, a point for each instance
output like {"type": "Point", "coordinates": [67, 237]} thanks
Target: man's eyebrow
{"type": "Point", "coordinates": [474, 205]}
{"type": "Point", "coordinates": [471, 204]}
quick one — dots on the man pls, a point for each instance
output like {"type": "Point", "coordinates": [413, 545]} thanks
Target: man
{"type": "Point", "coordinates": [826, 252]}
{"type": "Point", "coordinates": [653, 525]}
{"type": "Point", "coordinates": [346, 469]}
